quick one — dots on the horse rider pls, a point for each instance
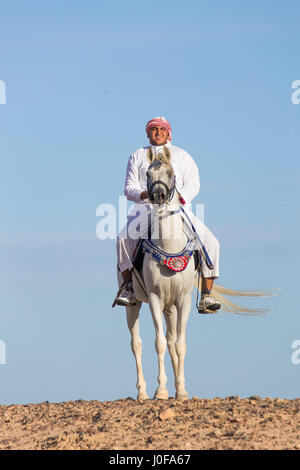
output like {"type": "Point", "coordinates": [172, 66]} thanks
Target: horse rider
{"type": "Point", "coordinates": [159, 133]}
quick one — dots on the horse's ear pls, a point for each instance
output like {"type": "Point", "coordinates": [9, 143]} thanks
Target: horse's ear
{"type": "Point", "coordinates": [150, 155]}
{"type": "Point", "coordinates": [167, 154]}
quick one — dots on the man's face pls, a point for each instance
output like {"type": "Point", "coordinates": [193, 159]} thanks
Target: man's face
{"type": "Point", "coordinates": [158, 135]}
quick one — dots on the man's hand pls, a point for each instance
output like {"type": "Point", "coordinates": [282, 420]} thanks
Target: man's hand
{"type": "Point", "coordinates": [144, 195]}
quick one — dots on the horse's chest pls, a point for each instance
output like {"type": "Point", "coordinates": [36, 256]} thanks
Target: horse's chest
{"type": "Point", "coordinates": [166, 284]}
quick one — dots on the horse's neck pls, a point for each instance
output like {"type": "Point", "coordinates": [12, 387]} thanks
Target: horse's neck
{"type": "Point", "coordinates": [168, 229]}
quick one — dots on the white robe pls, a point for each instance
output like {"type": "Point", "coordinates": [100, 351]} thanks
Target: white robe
{"type": "Point", "coordinates": [187, 184]}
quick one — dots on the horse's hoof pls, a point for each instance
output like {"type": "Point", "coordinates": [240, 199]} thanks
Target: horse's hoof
{"type": "Point", "coordinates": [181, 396]}
{"type": "Point", "coordinates": [142, 396]}
{"type": "Point", "coordinates": [161, 395]}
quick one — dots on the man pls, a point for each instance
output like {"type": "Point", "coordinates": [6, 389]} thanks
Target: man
{"type": "Point", "coordinates": [159, 133]}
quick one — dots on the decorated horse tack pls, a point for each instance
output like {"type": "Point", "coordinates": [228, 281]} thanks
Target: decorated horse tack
{"type": "Point", "coordinates": [174, 261]}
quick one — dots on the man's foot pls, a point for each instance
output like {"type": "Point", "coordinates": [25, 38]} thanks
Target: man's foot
{"type": "Point", "coordinates": [126, 296]}
{"type": "Point", "coordinates": [208, 305]}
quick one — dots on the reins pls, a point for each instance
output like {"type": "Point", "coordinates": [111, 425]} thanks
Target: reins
{"type": "Point", "coordinates": [152, 248]}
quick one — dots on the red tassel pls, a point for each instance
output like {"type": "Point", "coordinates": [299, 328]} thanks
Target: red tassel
{"type": "Point", "coordinates": [182, 200]}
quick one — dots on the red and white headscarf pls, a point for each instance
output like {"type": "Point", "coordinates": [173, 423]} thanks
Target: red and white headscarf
{"type": "Point", "coordinates": [159, 121]}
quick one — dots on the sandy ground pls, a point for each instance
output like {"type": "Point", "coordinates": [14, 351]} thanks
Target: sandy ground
{"type": "Point", "coordinates": [229, 423]}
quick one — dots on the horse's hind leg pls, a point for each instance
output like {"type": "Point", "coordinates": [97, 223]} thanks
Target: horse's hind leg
{"type": "Point", "coordinates": [132, 314]}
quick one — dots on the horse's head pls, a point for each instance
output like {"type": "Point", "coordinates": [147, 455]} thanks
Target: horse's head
{"type": "Point", "coordinates": [160, 177]}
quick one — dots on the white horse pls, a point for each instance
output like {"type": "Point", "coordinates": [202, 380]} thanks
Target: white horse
{"type": "Point", "coordinates": [168, 292]}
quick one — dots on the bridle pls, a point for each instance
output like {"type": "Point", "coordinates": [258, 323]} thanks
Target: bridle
{"type": "Point", "coordinates": [170, 191]}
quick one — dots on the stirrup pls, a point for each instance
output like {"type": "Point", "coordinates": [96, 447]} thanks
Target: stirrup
{"type": "Point", "coordinates": [125, 296]}
{"type": "Point", "coordinates": [212, 307]}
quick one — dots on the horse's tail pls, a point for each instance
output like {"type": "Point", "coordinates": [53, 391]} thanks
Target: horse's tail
{"type": "Point", "coordinates": [219, 291]}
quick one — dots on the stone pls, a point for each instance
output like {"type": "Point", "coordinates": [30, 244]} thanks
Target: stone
{"type": "Point", "coordinates": [166, 414]}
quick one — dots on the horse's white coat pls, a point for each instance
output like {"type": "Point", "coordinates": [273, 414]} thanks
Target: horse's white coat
{"type": "Point", "coordinates": [169, 294]}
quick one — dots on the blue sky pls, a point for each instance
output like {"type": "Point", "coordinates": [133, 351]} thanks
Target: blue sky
{"type": "Point", "coordinates": [82, 79]}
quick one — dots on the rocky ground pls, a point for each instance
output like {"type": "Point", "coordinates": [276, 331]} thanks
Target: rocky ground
{"type": "Point", "coordinates": [230, 423]}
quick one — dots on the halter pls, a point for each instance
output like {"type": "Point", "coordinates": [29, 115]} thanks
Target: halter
{"type": "Point", "coordinates": [170, 191]}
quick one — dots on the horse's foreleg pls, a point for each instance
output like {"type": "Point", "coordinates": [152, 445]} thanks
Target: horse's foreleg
{"type": "Point", "coordinates": [132, 314]}
{"type": "Point", "coordinates": [170, 314]}
{"type": "Point", "coordinates": [183, 311]}
{"type": "Point", "coordinates": [160, 345]}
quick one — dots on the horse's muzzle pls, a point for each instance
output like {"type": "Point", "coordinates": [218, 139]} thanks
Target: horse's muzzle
{"type": "Point", "coordinates": [158, 196]}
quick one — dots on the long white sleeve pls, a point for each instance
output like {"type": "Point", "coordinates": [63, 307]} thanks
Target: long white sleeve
{"type": "Point", "coordinates": [132, 188]}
